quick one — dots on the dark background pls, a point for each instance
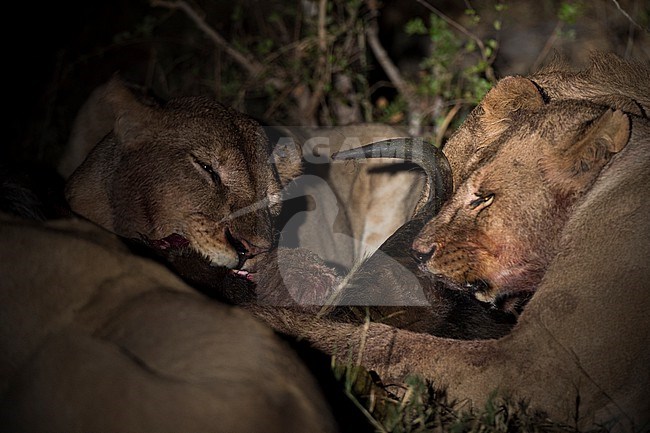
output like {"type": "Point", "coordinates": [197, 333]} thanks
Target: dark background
{"type": "Point", "coordinates": [57, 52]}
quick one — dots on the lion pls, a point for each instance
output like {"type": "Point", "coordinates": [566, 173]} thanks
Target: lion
{"type": "Point", "coordinates": [608, 81]}
{"type": "Point", "coordinates": [579, 348]}
{"type": "Point", "coordinates": [386, 286]}
{"type": "Point", "coordinates": [490, 241]}
{"type": "Point", "coordinates": [94, 120]}
{"type": "Point", "coordinates": [187, 173]}
{"type": "Point", "coordinates": [94, 338]}
{"type": "Point", "coordinates": [391, 273]}
{"type": "Point", "coordinates": [486, 237]}
{"type": "Point", "coordinates": [350, 216]}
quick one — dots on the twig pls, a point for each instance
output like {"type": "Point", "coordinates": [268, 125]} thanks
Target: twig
{"type": "Point", "coordinates": [319, 88]}
{"type": "Point", "coordinates": [322, 41]}
{"type": "Point", "coordinates": [252, 67]}
{"type": "Point", "coordinates": [455, 25]}
{"type": "Point", "coordinates": [445, 123]}
{"type": "Point", "coordinates": [384, 60]}
{"type": "Point", "coordinates": [415, 116]}
{"type": "Point", "coordinates": [547, 46]}
{"type": "Point", "coordinates": [627, 15]}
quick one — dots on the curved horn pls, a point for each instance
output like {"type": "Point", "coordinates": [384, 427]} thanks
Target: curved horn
{"type": "Point", "coordinates": [420, 152]}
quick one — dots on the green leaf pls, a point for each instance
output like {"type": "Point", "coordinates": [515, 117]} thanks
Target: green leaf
{"type": "Point", "coordinates": [415, 27]}
{"type": "Point", "coordinates": [570, 11]}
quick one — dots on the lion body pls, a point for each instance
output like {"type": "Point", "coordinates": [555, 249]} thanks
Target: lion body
{"type": "Point", "coordinates": [95, 338]}
{"type": "Point", "coordinates": [579, 349]}
{"type": "Point", "coordinates": [583, 337]}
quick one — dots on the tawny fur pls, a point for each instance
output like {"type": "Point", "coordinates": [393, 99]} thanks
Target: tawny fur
{"type": "Point", "coordinates": [190, 167]}
{"type": "Point", "coordinates": [579, 350]}
{"type": "Point", "coordinates": [507, 247]}
{"type": "Point", "coordinates": [609, 81]}
{"type": "Point", "coordinates": [502, 225]}
{"type": "Point", "coordinates": [94, 338]}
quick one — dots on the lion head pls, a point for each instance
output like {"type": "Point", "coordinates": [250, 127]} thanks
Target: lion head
{"type": "Point", "coordinates": [608, 80]}
{"type": "Point", "coordinates": [498, 232]}
{"type": "Point", "coordinates": [517, 174]}
{"type": "Point", "coordinates": [186, 173]}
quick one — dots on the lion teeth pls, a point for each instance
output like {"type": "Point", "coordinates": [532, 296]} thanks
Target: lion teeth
{"type": "Point", "coordinates": [242, 273]}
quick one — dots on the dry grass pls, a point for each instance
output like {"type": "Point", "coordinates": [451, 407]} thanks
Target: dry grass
{"type": "Point", "coordinates": [420, 407]}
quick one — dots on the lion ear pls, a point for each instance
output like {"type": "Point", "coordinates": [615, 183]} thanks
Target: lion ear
{"type": "Point", "coordinates": [287, 158]}
{"type": "Point", "coordinates": [511, 94]}
{"type": "Point", "coordinates": [574, 165]}
{"type": "Point", "coordinates": [132, 117]}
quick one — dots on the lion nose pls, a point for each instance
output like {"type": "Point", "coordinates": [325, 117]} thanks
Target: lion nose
{"type": "Point", "coordinates": [422, 254]}
{"type": "Point", "coordinates": [245, 249]}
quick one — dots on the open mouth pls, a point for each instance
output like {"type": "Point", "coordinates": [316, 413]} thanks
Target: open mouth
{"type": "Point", "coordinates": [240, 273]}
{"type": "Point", "coordinates": [477, 286]}
{"type": "Point", "coordinates": [173, 241]}
{"type": "Point", "coordinates": [481, 289]}
{"type": "Point", "coordinates": [176, 241]}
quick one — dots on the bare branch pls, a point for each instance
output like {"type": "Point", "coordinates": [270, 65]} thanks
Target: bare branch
{"type": "Point", "coordinates": [415, 109]}
{"type": "Point", "coordinates": [322, 41]}
{"type": "Point", "coordinates": [384, 60]}
{"type": "Point", "coordinates": [547, 46]}
{"type": "Point", "coordinates": [251, 66]}
{"type": "Point", "coordinates": [323, 72]}
{"type": "Point", "coordinates": [627, 15]}
{"type": "Point", "coordinates": [442, 129]}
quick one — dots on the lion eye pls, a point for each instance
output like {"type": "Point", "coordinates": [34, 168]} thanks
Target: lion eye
{"type": "Point", "coordinates": [209, 170]}
{"type": "Point", "coordinates": [483, 200]}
